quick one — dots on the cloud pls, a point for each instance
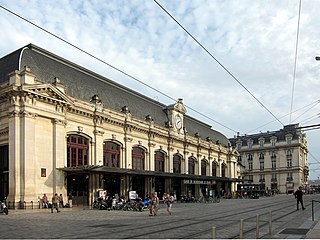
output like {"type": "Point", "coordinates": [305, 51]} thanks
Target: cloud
{"type": "Point", "coordinates": [254, 40]}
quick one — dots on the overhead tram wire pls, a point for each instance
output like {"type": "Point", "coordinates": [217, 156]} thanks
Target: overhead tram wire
{"type": "Point", "coordinates": [310, 119]}
{"type": "Point", "coordinates": [305, 112]}
{"type": "Point", "coordinates": [113, 67]}
{"type": "Point", "coordinates": [295, 59]}
{"type": "Point", "coordinates": [313, 103]}
{"type": "Point", "coordinates": [221, 65]}
{"type": "Point", "coordinates": [314, 157]}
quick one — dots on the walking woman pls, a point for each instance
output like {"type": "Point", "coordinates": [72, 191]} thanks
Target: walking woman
{"type": "Point", "coordinates": [155, 204]}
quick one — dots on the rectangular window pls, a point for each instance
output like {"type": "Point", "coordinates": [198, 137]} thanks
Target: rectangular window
{"type": "Point", "coordinates": [261, 165]}
{"type": "Point", "coordinates": [73, 157]}
{"type": "Point", "coordinates": [289, 163]}
{"type": "Point", "coordinates": [250, 166]}
{"type": "Point", "coordinates": [43, 172]}
{"type": "Point", "coordinates": [80, 156]}
{"type": "Point", "coordinates": [288, 140]}
{"type": "Point", "coordinates": [250, 145]}
{"type": "Point", "coordinates": [239, 146]}
{"type": "Point", "coordinates": [261, 143]}
{"type": "Point", "coordinates": [274, 164]}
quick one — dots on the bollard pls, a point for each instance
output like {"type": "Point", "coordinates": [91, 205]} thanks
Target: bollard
{"type": "Point", "coordinates": [312, 211]}
{"type": "Point", "coordinates": [241, 229]}
{"type": "Point", "coordinates": [257, 226]}
{"type": "Point", "coordinates": [270, 222]}
{"type": "Point", "coordinates": [213, 232]}
{"type": "Point", "coordinates": [31, 204]}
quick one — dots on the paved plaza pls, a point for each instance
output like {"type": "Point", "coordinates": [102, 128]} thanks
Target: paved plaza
{"type": "Point", "coordinates": [189, 220]}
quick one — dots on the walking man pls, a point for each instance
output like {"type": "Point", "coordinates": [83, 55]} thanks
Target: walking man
{"type": "Point", "coordinates": [298, 195]}
{"type": "Point", "coordinates": [55, 203]}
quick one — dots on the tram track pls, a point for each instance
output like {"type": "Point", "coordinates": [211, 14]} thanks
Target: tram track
{"type": "Point", "coordinates": [200, 220]}
{"type": "Point", "coordinates": [250, 230]}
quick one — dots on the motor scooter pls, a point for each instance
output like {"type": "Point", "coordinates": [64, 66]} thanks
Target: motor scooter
{"type": "Point", "coordinates": [3, 207]}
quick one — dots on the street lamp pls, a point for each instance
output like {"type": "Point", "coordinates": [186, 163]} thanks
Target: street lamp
{"type": "Point", "coordinates": [317, 58]}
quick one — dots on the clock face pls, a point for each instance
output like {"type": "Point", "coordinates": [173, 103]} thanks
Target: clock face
{"type": "Point", "coordinates": [178, 122]}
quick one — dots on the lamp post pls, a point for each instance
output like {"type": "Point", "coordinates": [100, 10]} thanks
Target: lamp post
{"type": "Point", "coordinates": [317, 58]}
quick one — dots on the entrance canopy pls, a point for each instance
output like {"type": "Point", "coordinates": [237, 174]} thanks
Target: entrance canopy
{"type": "Point", "coordinates": [97, 169]}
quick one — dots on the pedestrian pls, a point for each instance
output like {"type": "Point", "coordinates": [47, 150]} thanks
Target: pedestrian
{"type": "Point", "coordinates": [150, 204]}
{"type": "Point", "coordinates": [61, 201]}
{"type": "Point", "coordinates": [298, 195]}
{"type": "Point", "coordinates": [70, 200]}
{"type": "Point", "coordinates": [45, 201]}
{"type": "Point", "coordinates": [55, 203]}
{"type": "Point", "coordinates": [169, 199]}
{"type": "Point", "coordinates": [155, 204]}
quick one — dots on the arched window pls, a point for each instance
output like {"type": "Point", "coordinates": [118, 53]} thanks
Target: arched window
{"type": "Point", "coordinates": [159, 160]}
{"type": "Point", "coordinates": [214, 169]}
{"type": "Point", "coordinates": [111, 154]}
{"type": "Point", "coordinates": [223, 170]}
{"type": "Point", "coordinates": [77, 151]}
{"type": "Point", "coordinates": [191, 165]}
{"type": "Point", "coordinates": [138, 155]}
{"type": "Point", "coordinates": [176, 163]}
{"type": "Point", "coordinates": [203, 167]}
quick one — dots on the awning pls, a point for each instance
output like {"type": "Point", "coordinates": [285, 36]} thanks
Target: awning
{"type": "Point", "coordinates": [96, 169]}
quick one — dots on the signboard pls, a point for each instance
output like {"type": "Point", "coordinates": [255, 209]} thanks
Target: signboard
{"type": "Point", "coordinates": [132, 195]}
{"type": "Point", "coordinates": [103, 194]}
{"type": "Point", "coordinates": [196, 182]}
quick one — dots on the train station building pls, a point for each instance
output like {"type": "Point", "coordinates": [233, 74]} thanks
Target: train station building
{"type": "Point", "coordinates": [65, 129]}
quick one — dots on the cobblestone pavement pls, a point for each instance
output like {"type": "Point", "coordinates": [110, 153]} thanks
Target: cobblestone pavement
{"type": "Point", "coordinates": [189, 220]}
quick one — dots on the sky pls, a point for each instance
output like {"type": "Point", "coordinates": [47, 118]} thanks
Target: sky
{"type": "Point", "coordinates": [251, 74]}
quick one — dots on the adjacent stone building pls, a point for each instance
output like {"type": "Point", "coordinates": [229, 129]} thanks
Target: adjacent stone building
{"type": "Point", "coordinates": [274, 160]}
{"type": "Point", "coordinates": [68, 130]}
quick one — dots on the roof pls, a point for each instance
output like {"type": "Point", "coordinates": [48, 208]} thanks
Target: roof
{"type": "Point", "coordinates": [280, 135]}
{"type": "Point", "coordinates": [82, 83]}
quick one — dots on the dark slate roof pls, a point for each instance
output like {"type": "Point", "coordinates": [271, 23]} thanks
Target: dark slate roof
{"type": "Point", "coordinates": [83, 84]}
{"type": "Point", "coordinates": [9, 64]}
{"type": "Point", "coordinates": [280, 135]}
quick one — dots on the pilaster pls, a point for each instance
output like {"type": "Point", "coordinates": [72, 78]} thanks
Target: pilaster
{"type": "Point", "coordinates": [58, 154]}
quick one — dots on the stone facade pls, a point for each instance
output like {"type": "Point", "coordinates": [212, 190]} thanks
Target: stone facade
{"type": "Point", "coordinates": [275, 160]}
{"type": "Point", "coordinates": [54, 138]}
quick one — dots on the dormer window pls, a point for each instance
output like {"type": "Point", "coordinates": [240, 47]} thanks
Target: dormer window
{"type": "Point", "coordinates": [289, 139]}
{"type": "Point", "coordinates": [250, 145]}
{"type": "Point", "coordinates": [239, 145]}
{"type": "Point", "coordinates": [261, 142]}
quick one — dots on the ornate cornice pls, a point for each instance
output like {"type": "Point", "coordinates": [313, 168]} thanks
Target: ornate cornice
{"type": "Point", "coordinates": [22, 114]}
